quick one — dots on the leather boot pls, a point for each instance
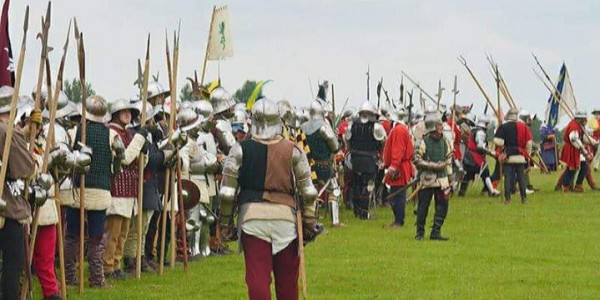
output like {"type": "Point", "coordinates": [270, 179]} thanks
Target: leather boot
{"type": "Point", "coordinates": [578, 188]}
{"type": "Point", "coordinates": [71, 252]}
{"type": "Point", "coordinates": [129, 264]}
{"type": "Point", "coordinates": [566, 188]}
{"type": "Point", "coordinates": [463, 189]}
{"type": "Point", "coordinates": [96, 268]}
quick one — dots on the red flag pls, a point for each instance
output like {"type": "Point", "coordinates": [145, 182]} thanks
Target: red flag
{"type": "Point", "coordinates": [7, 73]}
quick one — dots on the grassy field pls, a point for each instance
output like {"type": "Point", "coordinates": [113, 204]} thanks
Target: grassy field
{"type": "Point", "coordinates": [545, 249]}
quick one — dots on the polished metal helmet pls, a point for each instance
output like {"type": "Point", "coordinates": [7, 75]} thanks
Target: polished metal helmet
{"type": "Point", "coordinates": [150, 113]}
{"type": "Point", "coordinates": [6, 93]}
{"type": "Point", "coordinates": [96, 108]}
{"type": "Point", "coordinates": [367, 107]}
{"type": "Point", "coordinates": [24, 107]}
{"type": "Point", "coordinates": [483, 121]}
{"type": "Point", "coordinates": [204, 108]}
{"type": "Point", "coordinates": [512, 115]}
{"type": "Point", "coordinates": [287, 113]}
{"type": "Point", "coordinates": [156, 89]}
{"type": "Point", "coordinates": [432, 119]}
{"type": "Point", "coordinates": [188, 119]}
{"type": "Point", "coordinates": [580, 114]}
{"type": "Point", "coordinates": [349, 113]}
{"type": "Point", "coordinates": [317, 111]}
{"type": "Point", "coordinates": [64, 107]}
{"type": "Point", "coordinates": [221, 100]}
{"type": "Point", "coordinates": [302, 116]}
{"type": "Point", "coordinates": [239, 116]}
{"type": "Point", "coordinates": [398, 115]}
{"type": "Point", "coordinates": [468, 119]}
{"type": "Point", "coordinates": [123, 104]}
{"type": "Point", "coordinates": [266, 123]}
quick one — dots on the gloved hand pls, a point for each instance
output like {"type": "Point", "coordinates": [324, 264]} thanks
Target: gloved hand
{"type": "Point", "coordinates": [35, 117]}
{"type": "Point", "coordinates": [393, 173]}
{"type": "Point", "coordinates": [143, 132]}
{"type": "Point", "coordinates": [145, 147]}
{"type": "Point", "coordinates": [39, 190]}
{"type": "Point", "coordinates": [168, 155]}
{"type": "Point", "coordinates": [310, 230]}
{"type": "Point", "coordinates": [57, 158]}
{"type": "Point", "coordinates": [119, 148]}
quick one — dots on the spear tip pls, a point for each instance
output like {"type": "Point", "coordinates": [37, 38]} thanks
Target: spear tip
{"type": "Point", "coordinates": [26, 22]}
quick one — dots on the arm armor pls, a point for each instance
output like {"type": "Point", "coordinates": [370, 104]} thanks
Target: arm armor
{"type": "Point", "coordinates": [330, 138]}
{"type": "Point", "coordinates": [348, 134]}
{"type": "Point", "coordinates": [229, 183]}
{"type": "Point", "coordinates": [481, 141]}
{"type": "Point", "coordinates": [379, 132]}
{"type": "Point", "coordinates": [304, 184]}
{"type": "Point", "coordinates": [576, 140]}
{"type": "Point", "coordinates": [203, 162]}
{"type": "Point", "coordinates": [224, 136]}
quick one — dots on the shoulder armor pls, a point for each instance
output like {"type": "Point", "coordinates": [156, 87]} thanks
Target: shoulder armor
{"type": "Point", "coordinates": [231, 167]}
{"type": "Point", "coordinates": [225, 135]}
{"type": "Point", "coordinates": [326, 132]}
{"type": "Point", "coordinates": [379, 132]}
{"type": "Point", "coordinates": [348, 134]}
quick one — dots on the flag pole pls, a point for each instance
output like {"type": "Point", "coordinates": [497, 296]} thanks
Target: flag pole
{"type": "Point", "coordinates": [207, 46]}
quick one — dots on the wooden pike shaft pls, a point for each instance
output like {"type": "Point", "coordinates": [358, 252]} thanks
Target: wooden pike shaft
{"type": "Point", "coordinates": [182, 216]}
{"type": "Point", "coordinates": [144, 94]}
{"type": "Point", "coordinates": [302, 265]}
{"type": "Point", "coordinates": [83, 91]}
{"type": "Point", "coordinates": [173, 81]}
{"type": "Point", "coordinates": [485, 95]}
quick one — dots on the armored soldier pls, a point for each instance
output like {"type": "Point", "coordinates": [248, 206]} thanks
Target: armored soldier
{"type": "Point", "coordinates": [514, 140]}
{"type": "Point", "coordinates": [433, 159]}
{"type": "Point", "coordinates": [322, 141]}
{"type": "Point", "coordinates": [268, 170]}
{"type": "Point", "coordinates": [156, 93]}
{"type": "Point", "coordinates": [223, 110]}
{"type": "Point", "coordinates": [63, 162]}
{"type": "Point", "coordinates": [474, 161]}
{"type": "Point", "coordinates": [124, 185]}
{"type": "Point", "coordinates": [365, 138]}
{"type": "Point", "coordinates": [198, 163]}
{"type": "Point", "coordinates": [15, 210]}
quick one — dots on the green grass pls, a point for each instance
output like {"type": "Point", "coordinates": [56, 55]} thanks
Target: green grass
{"type": "Point", "coordinates": [546, 249]}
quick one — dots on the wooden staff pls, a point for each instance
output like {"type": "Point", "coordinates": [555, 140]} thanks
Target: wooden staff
{"type": "Point", "coordinates": [11, 126]}
{"type": "Point", "coordinates": [181, 215]}
{"type": "Point", "coordinates": [212, 19]}
{"type": "Point", "coordinates": [138, 258]}
{"type": "Point", "coordinates": [83, 91]}
{"type": "Point", "coordinates": [500, 163]}
{"type": "Point", "coordinates": [170, 175]}
{"type": "Point", "coordinates": [302, 266]}
{"type": "Point", "coordinates": [503, 88]}
{"type": "Point", "coordinates": [462, 60]}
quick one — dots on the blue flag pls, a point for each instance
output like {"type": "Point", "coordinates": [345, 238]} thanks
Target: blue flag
{"type": "Point", "coordinates": [554, 111]}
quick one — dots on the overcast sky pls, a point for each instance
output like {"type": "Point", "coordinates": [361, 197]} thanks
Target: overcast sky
{"type": "Point", "coordinates": [291, 41]}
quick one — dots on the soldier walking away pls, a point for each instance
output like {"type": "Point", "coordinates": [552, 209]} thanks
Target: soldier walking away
{"type": "Point", "coordinates": [268, 170]}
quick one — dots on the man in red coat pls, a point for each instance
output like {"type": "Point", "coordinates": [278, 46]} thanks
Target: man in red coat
{"type": "Point", "coordinates": [573, 150]}
{"type": "Point", "coordinates": [397, 157]}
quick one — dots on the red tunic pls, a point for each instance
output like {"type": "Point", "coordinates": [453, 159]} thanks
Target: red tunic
{"type": "Point", "coordinates": [342, 127]}
{"type": "Point", "coordinates": [457, 135]}
{"type": "Point", "coordinates": [387, 125]}
{"type": "Point", "coordinates": [478, 158]}
{"type": "Point", "coordinates": [398, 153]}
{"type": "Point", "coordinates": [571, 155]}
